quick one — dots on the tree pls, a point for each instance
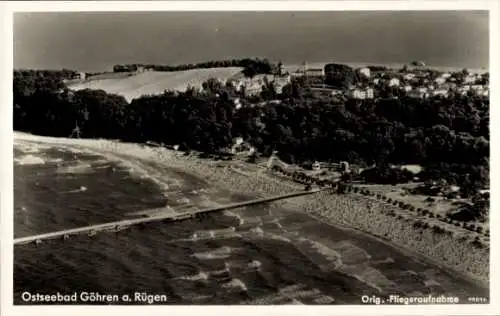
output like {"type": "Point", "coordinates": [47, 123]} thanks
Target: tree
{"type": "Point", "coordinates": [448, 137]}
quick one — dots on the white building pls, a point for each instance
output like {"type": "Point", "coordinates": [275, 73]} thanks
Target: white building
{"type": "Point", "coordinates": [260, 79]}
{"type": "Point", "coordinates": [314, 72]}
{"type": "Point", "coordinates": [407, 88]}
{"type": "Point", "coordinates": [283, 79]}
{"type": "Point", "coordinates": [361, 94]}
{"type": "Point", "coordinates": [409, 76]}
{"type": "Point", "coordinates": [365, 71]}
{"type": "Point", "coordinates": [280, 82]}
{"type": "Point", "coordinates": [369, 93]}
{"type": "Point", "coordinates": [470, 79]}
{"type": "Point", "coordinates": [442, 92]}
{"type": "Point", "coordinates": [440, 80]}
{"type": "Point", "coordinates": [376, 80]}
{"type": "Point", "coordinates": [394, 82]}
{"type": "Point", "coordinates": [237, 103]}
{"type": "Point", "coordinates": [357, 94]}
{"type": "Point", "coordinates": [253, 89]}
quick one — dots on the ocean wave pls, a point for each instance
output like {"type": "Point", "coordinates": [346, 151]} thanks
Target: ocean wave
{"type": "Point", "coordinates": [371, 277]}
{"type": "Point", "coordinates": [201, 276]}
{"type": "Point", "coordinates": [215, 233]}
{"type": "Point", "coordinates": [183, 200]}
{"type": "Point", "coordinates": [31, 148]}
{"type": "Point", "coordinates": [235, 284]}
{"type": "Point", "coordinates": [81, 189]}
{"type": "Point", "coordinates": [257, 230]}
{"type": "Point", "coordinates": [295, 301]}
{"type": "Point", "coordinates": [78, 169]}
{"type": "Point", "coordinates": [166, 210]}
{"type": "Point", "coordinates": [386, 260]}
{"type": "Point", "coordinates": [350, 259]}
{"type": "Point", "coordinates": [289, 295]}
{"type": "Point", "coordinates": [431, 282]}
{"type": "Point", "coordinates": [324, 300]}
{"type": "Point", "coordinates": [350, 253]}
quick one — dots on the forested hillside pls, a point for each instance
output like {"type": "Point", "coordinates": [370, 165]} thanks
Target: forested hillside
{"type": "Point", "coordinates": [449, 136]}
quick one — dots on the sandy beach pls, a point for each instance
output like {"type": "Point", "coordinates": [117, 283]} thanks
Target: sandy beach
{"type": "Point", "coordinates": [349, 210]}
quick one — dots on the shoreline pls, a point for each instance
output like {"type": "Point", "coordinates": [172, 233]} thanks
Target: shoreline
{"type": "Point", "coordinates": [349, 212]}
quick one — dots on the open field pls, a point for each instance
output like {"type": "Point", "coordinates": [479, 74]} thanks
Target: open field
{"type": "Point", "coordinates": [153, 82]}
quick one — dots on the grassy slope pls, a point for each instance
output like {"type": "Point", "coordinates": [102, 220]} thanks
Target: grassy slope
{"type": "Point", "coordinates": [153, 82]}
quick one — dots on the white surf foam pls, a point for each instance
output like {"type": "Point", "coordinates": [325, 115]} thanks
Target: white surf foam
{"type": "Point", "coordinates": [195, 297]}
{"type": "Point", "coordinates": [30, 148]}
{"type": "Point", "coordinates": [303, 293]}
{"type": "Point", "coordinates": [236, 216]}
{"type": "Point", "coordinates": [201, 276]}
{"type": "Point", "coordinates": [166, 210]}
{"type": "Point", "coordinates": [295, 301]}
{"type": "Point", "coordinates": [291, 288]}
{"type": "Point", "coordinates": [386, 260]}
{"type": "Point", "coordinates": [279, 237]}
{"type": "Point", "coordinates": [254, 264]}
{"type": "Point", "coordinates": [374, 278]}
{"type": "Point", "coordinates": [78, 169]}
{"type": "Point", "coordinates": [351, 253]}
{"type": "Point", "coordinates": [257, 230]}
{"type": "Point", "coordinates": [409, 272]}
{"type": "Point", "coordinates": [215, 233]}
{"type": "Point", "coordinates": [431, 282]}
{"type": "Point", "coordinates": [81, 189]}
{"type": "Point", "coordinates": [236, 284]}
{"type": "Point", "coordinates": [30, 160]}
{"type": "Point", "coordinates": [183, 200]}
{"type": "Point", "coordinates": [332, 255]}
{"type": "Point", "coordinates": [323, 299]}
{"type": "Point", "coordinates": [219, 253]}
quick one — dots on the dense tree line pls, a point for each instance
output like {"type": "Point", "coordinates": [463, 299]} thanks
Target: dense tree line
{"type": "Point", "coordinates": [449, 137]}
{"type": "Point", "coordinates": [340, 76]}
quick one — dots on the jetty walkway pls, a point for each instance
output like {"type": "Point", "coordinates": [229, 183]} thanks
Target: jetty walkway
{"type": "Point", "coordinates": [123, 224]}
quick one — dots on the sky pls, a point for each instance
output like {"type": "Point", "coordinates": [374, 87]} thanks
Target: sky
{"type": "Point", "coordinates": [95, 41]}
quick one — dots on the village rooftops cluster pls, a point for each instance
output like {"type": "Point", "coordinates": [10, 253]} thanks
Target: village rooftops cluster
{"type": "Point", "coordinates": [419, 83]}
{"type": "Point", "coordinates": [253, 86]}
{"type": "Point", "coordinates": [429, 83]}
{"type": "Point", "coordinates": [416, 82]}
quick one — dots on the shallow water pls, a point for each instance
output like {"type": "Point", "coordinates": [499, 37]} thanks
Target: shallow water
{"type": "Point", "coordinates": [255, 255]}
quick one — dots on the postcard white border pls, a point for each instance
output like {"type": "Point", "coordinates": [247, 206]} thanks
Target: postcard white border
{"type": "Point", "coordinates": [6, 174]}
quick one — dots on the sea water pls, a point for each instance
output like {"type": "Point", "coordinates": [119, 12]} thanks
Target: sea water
{"type": "Point", "coordinates": [274, 257]}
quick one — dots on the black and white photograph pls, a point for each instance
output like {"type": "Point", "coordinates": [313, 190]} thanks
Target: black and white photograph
{"type": "Point", "coordinates": [332, 157]}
